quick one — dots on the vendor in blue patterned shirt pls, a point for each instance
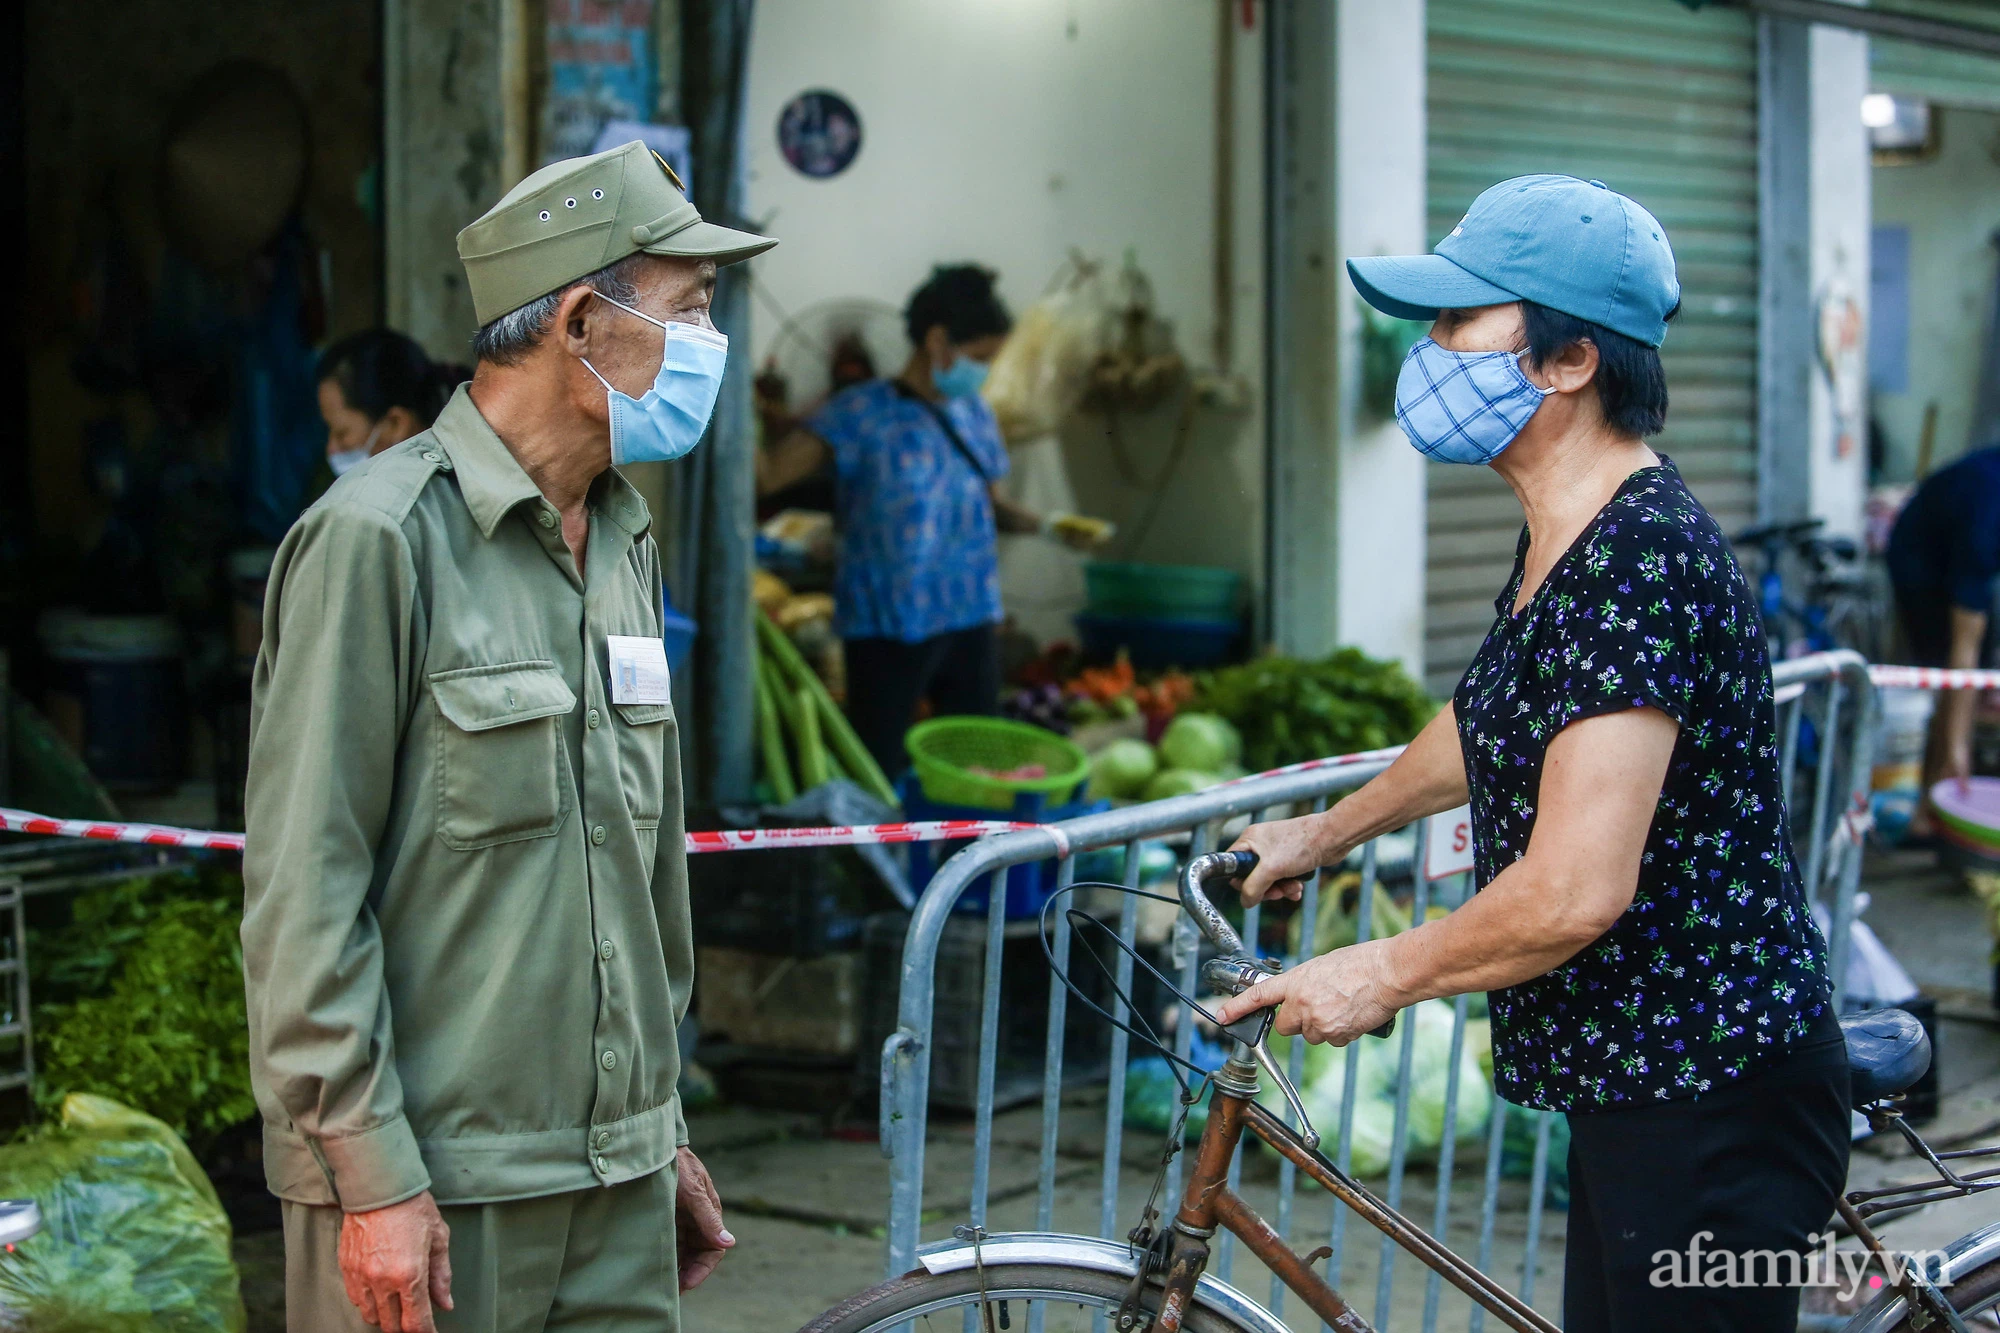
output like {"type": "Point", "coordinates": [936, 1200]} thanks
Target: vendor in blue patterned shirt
{"type": "Point", "coordinates": [917, 460]}
{"type": "Point", "coordinates": [1641, 928]}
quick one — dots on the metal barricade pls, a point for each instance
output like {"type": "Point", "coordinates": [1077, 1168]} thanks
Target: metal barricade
{"type": "Point", "coordinates": [1825, 700]}
{"type": "Point", "coordinates": [17, 1034]}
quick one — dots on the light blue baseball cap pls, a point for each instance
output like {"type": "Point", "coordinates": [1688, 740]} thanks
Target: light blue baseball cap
{"type": "Point", "coordinates": [1575, 246]}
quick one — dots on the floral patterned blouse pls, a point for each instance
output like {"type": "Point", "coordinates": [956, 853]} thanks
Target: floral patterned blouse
{"type": "Point", "coordinates": [1717, 966]}
{"type": "Point", "coordinates": [919, 553]}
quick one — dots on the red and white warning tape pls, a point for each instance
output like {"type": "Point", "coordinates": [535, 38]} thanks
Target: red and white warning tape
{"type": "Point", "coordinates": [1334, 761]}
{"type": "Point", "coordinates": [853, 835]}
{"type": "Point", "coordinates": [1933, 678]}
{"type": "Point", "coordinates": [160, 835]}
{"type": "Point", "coordinates": [850, 835]}
{"type": "Point", "coordinates": [727, 840]}
{"type": "Point", "coordinates": [721, 840]}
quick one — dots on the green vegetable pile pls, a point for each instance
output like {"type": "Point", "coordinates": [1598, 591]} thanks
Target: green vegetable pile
{"type": "Point", "coordinates": [1290, 710]}
{"type": "Point", "coordinates": [790, 698]}
{"type": "Point", "coordinates": [1196, 751]}
{"type": "Point", "coordinates": [139, 997]}
{"type": "Point", "coordinates": [133, 1238]}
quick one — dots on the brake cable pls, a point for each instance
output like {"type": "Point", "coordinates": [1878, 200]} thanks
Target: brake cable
{"type": "Point", "coordinates": [1149, 1037]}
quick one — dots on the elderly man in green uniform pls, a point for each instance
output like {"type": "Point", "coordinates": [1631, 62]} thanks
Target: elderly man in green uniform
{"type": "Point", "coordinates": [466, 930]}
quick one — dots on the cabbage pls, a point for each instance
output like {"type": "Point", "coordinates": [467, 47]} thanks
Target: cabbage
{"type": "Point", "coordinates": [1377, 1067]}
{"type": "Point", "coordinates": [1325, 1081]}
{"type": "Point", "coordinates": [1430, 1071]}
{"type": "Point", "coordinates": [1200, 741]}
{"type": "Point", "coordinates": [1122, 768]}
{"type": "Point", "coordinates": [1178, 782]}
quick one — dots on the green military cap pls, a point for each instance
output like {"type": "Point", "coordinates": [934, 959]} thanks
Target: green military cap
{"type": "Point", "coordinates": [575, 216]}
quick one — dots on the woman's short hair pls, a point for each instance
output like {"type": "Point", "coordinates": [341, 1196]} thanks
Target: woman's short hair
{"type": "Point", "coordinates": [378, 369]}
{"type": "Point", "coordinates": [1631, 383]}
{"type": "Point", "coordinates": [960, 297]}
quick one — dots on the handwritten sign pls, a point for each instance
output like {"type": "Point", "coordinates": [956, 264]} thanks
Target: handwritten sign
{"type": "Point", "coordinates": [1448, 843]}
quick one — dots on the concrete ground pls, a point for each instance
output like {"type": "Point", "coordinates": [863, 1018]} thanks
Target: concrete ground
{"type": "Point", "coordinates": [806, 1206]}
{"type": "Point", "coordinates": [789, 1268]}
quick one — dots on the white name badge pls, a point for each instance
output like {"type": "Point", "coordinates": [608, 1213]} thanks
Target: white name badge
{"type": "Point", "coordinates": [1448, 843]}
{"type": "Point", "coordinates": [638, 670]}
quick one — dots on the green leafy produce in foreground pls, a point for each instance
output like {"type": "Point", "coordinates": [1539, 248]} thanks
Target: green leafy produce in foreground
{"type": "Point", "coordinates": [140, 998]}
{"type": "Point", "coordinates": [133, 1239]}
{"type": "Point", "coordinates": [1291, 710]}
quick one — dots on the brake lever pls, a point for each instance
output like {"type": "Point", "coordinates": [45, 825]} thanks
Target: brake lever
{"type": "Point", "coordinates": [1243, 971]}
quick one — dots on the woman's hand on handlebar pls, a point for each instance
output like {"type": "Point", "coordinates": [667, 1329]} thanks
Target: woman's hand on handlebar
{"type": "Point", "coordinates": [1333, 998]}
{"type": "Point", "coordinates": [1287, 851]}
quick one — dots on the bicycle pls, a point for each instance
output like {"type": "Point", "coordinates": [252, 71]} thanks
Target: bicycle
{"type": "Point", "coordinates": [1157, 1281]}
{"type": "Point", "coordinates": [1839, 610]}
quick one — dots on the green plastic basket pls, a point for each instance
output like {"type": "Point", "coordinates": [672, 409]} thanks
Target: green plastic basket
{"type": "Point", "coordinates": [944, 750]}
{"type": "Point", "coordinates": [1182, 592]}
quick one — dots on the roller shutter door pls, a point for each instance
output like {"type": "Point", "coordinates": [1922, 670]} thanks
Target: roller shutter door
{"type": "Point", "coordinates": [1661, 104]}
{"type": "Point", "coordinates": [1951, 78]}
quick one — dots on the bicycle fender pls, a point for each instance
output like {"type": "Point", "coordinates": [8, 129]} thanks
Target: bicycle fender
{"type": "Point", "coordinates": [1105, 1256]}
{"type": "Point", "coordinates": [1962, 1256]}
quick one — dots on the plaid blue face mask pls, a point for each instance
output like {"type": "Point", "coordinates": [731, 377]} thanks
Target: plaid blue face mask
{"type": "Point", "coordinates": [1464, 407]}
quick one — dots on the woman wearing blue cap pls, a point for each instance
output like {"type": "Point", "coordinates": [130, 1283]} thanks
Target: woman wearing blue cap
{"type": "Point", "coordinates": [1641, 929]}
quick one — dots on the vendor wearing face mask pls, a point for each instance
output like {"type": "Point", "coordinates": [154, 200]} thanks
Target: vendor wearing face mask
{"type": "Point", "coordinates": [377, 389]}
{"type": "Point", "coordinates": [916, 462]}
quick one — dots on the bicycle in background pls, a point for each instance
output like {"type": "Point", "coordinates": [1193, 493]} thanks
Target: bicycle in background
{"type": "Point", "coordinates": [1841, 606]}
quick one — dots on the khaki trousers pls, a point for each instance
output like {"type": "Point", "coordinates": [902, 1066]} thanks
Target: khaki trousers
{"type": "Point", "coordinates": [601, 1260]}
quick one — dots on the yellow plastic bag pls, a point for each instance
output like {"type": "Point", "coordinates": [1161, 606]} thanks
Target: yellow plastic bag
{"type": "Point", "coordinates": [133, 1238]}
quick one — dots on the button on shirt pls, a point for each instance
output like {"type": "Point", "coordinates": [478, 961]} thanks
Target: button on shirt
{"type": "Point", "coordinates": [918, 549]}
{"type": "Point", "coordinates": [466, 930]}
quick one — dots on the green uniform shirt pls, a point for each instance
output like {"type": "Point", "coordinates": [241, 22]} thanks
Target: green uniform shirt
{"type": "Point", "coordinates": [466, 921]}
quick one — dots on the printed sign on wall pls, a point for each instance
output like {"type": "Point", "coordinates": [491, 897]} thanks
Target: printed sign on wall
{"type": "Point", "coordinates": [600, 69]}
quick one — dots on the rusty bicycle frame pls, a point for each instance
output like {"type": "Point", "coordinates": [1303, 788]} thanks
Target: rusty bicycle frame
{"type": "Point", "coordinates": [1178, 1256]}
{"type": "Point", "coordinates": [1208, 1204]}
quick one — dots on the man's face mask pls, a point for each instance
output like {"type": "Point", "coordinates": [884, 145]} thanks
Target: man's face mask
{"type": "Point", "coordinates": [1464, 407]}
{"type": "Point", "coordinates": [668, 419]}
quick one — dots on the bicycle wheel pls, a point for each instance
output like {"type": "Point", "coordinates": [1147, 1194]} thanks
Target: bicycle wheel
{"type": "Point", "coordinates": [1976, 1297]}
{"type": "Point", "coordinates": [936, 1302]}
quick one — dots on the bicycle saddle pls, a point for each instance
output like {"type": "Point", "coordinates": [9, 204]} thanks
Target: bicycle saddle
{"type": "Point", "coordinates": [1887, 1051]}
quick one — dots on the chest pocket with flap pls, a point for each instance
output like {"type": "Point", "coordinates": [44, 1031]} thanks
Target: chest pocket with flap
{"type": "Point", "coordinates": [643, 743]}
{"type": "Point", "coordinates": [500, 756]}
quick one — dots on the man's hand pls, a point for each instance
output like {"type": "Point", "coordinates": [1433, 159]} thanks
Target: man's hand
{"type": "Point", "coordinates": [1287, 850]}
{"type": "Point", "coordinates": [396, 1264]}
{"type": "Point", "coordinates": [698, 1229]}
{"type": "Point", "coordinates": [1333, 998]}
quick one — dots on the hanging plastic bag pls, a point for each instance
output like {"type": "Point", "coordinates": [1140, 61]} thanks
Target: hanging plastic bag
{"type": "Point", "coordinates": [1039, 376]}
{"type": "Point", "coordinates": [133, 1238]}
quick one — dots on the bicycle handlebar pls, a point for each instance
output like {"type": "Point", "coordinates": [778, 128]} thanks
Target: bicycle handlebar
{"type": "Point", "coordinates": [1215, 865]}
{"type": "Point", "coordinates": [1238, 969]}
{"type": "Point", "coordinates": [1779, 532]}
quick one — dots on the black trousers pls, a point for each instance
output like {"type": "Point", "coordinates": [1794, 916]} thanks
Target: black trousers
{"type": "Point", "coordinates": [959, 672]}
{"type": "Point", "coordinates": [1758, 1166]}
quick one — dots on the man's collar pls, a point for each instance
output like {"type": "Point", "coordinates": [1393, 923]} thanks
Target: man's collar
{"type": "Point", "coordinates": [492, 480]}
